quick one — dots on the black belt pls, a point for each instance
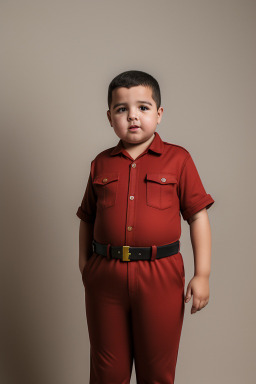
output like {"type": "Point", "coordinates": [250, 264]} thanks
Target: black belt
{"type": "Point", "coordinates": [127, 253]}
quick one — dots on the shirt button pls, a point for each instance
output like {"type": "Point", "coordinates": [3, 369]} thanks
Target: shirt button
{"type": "Point", "coordinates": [133, 165]}
{"type": "Point", "coordinates": [163, 179]}
{"type": "Point", "coordinates": [131, 197]}
{"type": "Point", "coordinates": [129, 228]}
{"type": "Point", "coordinates": [105, 180]}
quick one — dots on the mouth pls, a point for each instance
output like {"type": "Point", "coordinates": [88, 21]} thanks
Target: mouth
{"type": "Point", "coordinates": [134, 127]}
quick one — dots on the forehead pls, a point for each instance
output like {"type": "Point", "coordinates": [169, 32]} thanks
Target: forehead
{"type": "Point", "coordinates": [132, 94]}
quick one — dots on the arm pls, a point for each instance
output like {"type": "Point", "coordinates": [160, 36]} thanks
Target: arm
{"type": "Point", "coordinates": [200, 234]}
{"type": "Point", "coordinates": [87, 213]}
{"type": "Point", "coordinates": [85, 243]}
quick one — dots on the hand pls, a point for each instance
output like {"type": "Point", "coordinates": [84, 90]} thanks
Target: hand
{"type": "Point", "coordinates": [199, 287]}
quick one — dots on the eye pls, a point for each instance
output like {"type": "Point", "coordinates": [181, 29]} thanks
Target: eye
{"type": "Point", "coordinates": [118, 110]}
{"type": "Point", "coordinates": [143, 106]}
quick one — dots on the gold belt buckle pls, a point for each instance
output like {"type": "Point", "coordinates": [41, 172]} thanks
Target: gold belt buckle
{"type": "Point", "coordinates": [126, 253]}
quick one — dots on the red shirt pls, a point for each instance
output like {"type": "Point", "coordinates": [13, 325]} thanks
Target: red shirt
{"type": "Point", "coordinates": [140, 202]}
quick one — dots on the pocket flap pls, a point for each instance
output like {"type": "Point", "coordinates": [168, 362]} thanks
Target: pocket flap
{"type": "Point", "coordinates": [162, 178]}
{"type": "Point", "coordinates": [106, 178]}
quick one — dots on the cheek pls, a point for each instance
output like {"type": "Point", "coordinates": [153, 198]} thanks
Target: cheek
{"type": "Point", "coordinates": [118, 119]}
{"type": "Point", "coordinates": [149, 119]}
{"type": "Point", "coordinates": [120, 122]}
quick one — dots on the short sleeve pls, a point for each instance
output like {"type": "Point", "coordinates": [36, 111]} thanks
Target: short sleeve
{"type": "Point", "coordinates": [87, 210]}
{"type": "Point", "coordinates": [192, 194]}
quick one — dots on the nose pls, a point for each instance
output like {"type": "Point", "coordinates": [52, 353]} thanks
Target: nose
{"type": "Point", "coordinates": [132, 116]}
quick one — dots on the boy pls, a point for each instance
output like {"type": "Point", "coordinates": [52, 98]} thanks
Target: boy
{"type": "Point", "coordinates": [132, 270]}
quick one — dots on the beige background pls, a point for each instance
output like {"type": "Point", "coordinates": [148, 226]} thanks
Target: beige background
{"type": "Point", "coordinates": [58, 58]}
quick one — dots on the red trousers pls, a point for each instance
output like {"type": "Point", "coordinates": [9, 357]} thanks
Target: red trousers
{"type": "Point", "coordinates": [134, 310]}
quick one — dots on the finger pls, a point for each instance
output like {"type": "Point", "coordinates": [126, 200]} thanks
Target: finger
{"type": "Point", "coordinates": [195, 305]}
{"type": "Point", "coordinates": [201, 305]}
{"type": "Point", "coordinates": [188, 294]}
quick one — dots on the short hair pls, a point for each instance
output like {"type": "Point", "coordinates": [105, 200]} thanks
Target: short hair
{"type": "Point", "coordinates": [134, 78]}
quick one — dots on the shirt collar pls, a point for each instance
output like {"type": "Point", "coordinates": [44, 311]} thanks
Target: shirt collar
{"type": "Point", "coordinates": [156, 146]}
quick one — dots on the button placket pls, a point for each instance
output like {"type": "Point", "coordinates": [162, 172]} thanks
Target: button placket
{"type": "Point", "coordinates": [131, 204]}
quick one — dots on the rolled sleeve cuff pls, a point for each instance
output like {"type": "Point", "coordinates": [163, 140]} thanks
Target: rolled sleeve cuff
{"type": "Point", "coordinates": [84, 216]}
{"type": "Point", "coordinates": [205, 202]}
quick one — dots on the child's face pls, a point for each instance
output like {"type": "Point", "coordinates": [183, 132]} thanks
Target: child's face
{"type": "Point", "coordinates": [134, 106]}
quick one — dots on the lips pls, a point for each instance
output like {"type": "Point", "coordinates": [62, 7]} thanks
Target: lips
{"type": "Point", "coordinates": [133, 126]}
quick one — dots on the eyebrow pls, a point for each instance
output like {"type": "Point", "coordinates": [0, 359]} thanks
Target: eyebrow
{"type": "Point", "coordinates": [139, 101]}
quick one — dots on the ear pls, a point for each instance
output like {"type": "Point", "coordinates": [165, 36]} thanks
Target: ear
{"type": "Point", "coordinates": [160, 114]}
{"type": "Point", "coordinates": [109, 117]}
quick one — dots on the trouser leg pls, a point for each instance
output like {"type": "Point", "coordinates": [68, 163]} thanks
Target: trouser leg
{"type": "Point", "coordinates": [109, 321]}
{"type": "Point", "coordinates": [157, 300]}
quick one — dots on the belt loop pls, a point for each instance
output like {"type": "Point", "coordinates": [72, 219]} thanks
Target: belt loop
{"type": "Point", "coordinates": [108, 252]}
{"type": "Point", "coordinates": [154, 252]}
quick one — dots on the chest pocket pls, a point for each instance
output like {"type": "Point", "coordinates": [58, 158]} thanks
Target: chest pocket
{"type": "Point", "coordinates": [161, 189]}
{"type": "Point", "coordinates": [105, 186]}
